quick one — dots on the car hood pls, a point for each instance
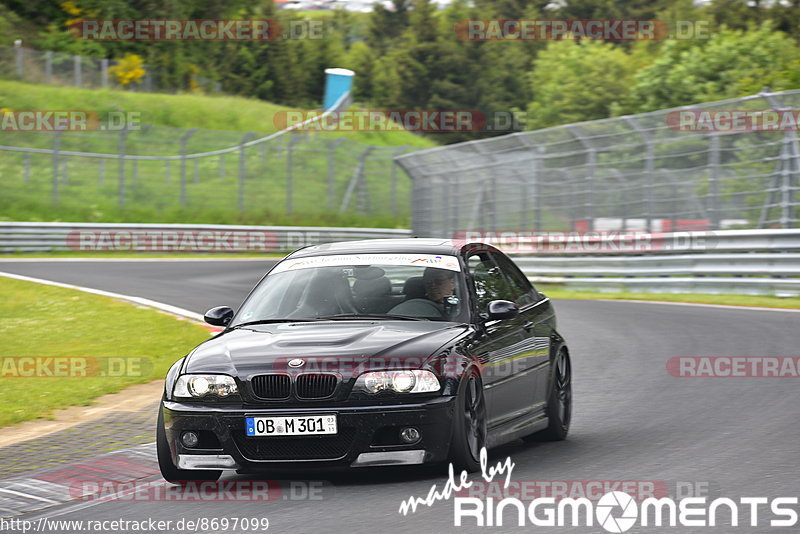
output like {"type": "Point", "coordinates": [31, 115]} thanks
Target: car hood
{"type": "Point", "coordinates": [345, 347]}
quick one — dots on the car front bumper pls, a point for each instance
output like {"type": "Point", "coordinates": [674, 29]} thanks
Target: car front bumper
{"type": "Point", "coordinates": [360, 440]}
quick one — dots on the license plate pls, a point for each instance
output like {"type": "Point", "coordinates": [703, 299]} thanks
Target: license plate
{"type": "Point", "coordinates": [310, 425]}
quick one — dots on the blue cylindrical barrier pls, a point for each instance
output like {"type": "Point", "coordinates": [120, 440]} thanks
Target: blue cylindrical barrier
{"type": "Point", "coordinates": [337, 83]}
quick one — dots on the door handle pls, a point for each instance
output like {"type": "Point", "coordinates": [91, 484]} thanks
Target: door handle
{"type": "Point", "coordinates": [528, 325]}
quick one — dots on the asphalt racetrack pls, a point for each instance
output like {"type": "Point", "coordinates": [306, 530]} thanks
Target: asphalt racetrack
{"type": "Point", "coordinates": [723, 437]}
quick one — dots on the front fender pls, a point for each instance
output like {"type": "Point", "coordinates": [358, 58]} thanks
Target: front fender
{"type": "Point", "coordinates": [172, 375]}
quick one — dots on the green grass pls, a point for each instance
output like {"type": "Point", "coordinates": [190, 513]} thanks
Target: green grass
{"type": "Point", "coordinates": [208, 112]}
{"type": "Point", "coordinates": [557, 292]}
{"type": "Point", "coordinates": [46, 321]}
{"type": "Point", "coordinates": [206, 189]}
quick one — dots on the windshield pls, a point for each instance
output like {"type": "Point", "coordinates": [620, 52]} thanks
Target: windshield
{"type": "Point", "coordinates": [348, 287]}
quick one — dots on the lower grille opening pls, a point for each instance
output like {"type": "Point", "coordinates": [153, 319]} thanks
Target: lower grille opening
{"type": "Point", "coordinates": [386, 436]}
{"type": "Point", "coordinates": [295, 448]}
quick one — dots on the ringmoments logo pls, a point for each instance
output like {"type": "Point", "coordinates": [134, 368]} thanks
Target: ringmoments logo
{"type": "Point", "coordinates": [614, 511]}
{"type": "Point", "coordinates": [618, 511]}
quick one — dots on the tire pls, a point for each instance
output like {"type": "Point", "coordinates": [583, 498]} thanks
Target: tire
{"type": "Point", "coordinates": [168, 470]}
{"type": "Point", "coordinates": [559, 401]}
{"type": "Point", "coordinates": [469, 424]}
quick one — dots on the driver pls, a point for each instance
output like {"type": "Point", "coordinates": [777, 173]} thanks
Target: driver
{"type": "Point", "coordinates": [439, 284]}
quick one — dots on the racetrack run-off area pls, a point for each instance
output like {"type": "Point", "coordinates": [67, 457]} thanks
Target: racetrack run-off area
{"type": "Point", "coordinates": [632, 420]}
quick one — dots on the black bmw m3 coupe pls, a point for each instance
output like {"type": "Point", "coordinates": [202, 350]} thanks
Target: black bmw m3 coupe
{"type": "Point", "coordinates": [369, 353]}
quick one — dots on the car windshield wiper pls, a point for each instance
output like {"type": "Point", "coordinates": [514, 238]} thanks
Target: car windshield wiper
{"type": "Point", "coordinates": [273, 321]}
{"type": "Point", "coordinates": [372, 316]}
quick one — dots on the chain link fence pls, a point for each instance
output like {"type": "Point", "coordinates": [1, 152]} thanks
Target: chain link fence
{"type": "Point", "coordinates": [632, 173]}
{"type": "Point", "coordinates": [57, 68]}
{"type": "Point", "coordinates": [161, 169]}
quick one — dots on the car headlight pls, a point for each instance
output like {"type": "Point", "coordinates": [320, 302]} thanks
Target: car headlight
{"type": "Point", "coordinates": [201, 386]}
{"type": "Point", "coordinates": [405, 381]}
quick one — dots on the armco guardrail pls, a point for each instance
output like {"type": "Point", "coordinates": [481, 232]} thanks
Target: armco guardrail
{"type": "Point", "coordinates": [751, 262]}
{"type": "Point", "coordinates": [140, 237]}
{"type": "Point", "coordinates": [754, 262]}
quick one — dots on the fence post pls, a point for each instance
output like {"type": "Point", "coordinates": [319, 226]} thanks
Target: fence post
{"type": "Point", "coordinates": [289, 169]}
{"type": "Point", "coordinates": [332, 146]}
{"type": "Point", "coordinates": [19, 57]}
{"type": "Point", "coordinates": [48, 67]}
{"type": "Point", "coordinates": [243, 168]}
{"type": "Point", "coordinates": [649, 170]}
{"type": "Point", "coordinates": [358, 176]}
{"type": "Point", "coordinates": [104, 73]}
{"type": "Point", "coordinates": [101, 172]}
{"type": "Point", "coordinates": [56, 149]}
{"type": "Point", "coordinates": [76, 67]}
{"type": "Point", "coordinates": [790, 164]}
{"type": "Point", "coordinates": [362, 188]}
{"type": "Point", "coordinates": [713, 186]}
{"type": "Point", "coordinates": [184, 141]}
{"type": "Point", "coordinates": [591, 162]}
{"type": "Point", "coordinates": [123, 135]}
{"type": "Point", "coordinates": [222, 166]}
{"type": "Point", "coordinates": [395, 154]}
{"type": "Point", "coordinates": [167, 168]}
{"type": "Point", "coordinates": [786, 182]}
{"type": "Point", "coordinates": [794, 171]}
{"type": "Point", "coordinates": [537, 189]}
{"type": "Point", "coordinates": [27, 160]}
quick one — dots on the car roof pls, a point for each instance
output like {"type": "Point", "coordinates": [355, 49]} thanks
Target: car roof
{"type": "Point", "coordinates": [389, 246]}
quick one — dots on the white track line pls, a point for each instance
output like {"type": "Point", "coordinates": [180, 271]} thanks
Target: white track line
{"type": "Point", "coordinates": [168, 308]}
{"type": "Point", "coordinates": [28, 496]}
{"type": "Point", "coordinates": [197, 317]}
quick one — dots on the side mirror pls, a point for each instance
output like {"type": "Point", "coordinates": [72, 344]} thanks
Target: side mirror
{"type": "Point", "coordinates": [502, 309]}
{"type": "Point", "coordinates": [219, 316]}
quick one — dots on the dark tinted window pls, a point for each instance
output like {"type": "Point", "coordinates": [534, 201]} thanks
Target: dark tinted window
{"type": "Point", "coordinates": [490, 283]}
{"type": "Point", "coordinates": [521, 287]}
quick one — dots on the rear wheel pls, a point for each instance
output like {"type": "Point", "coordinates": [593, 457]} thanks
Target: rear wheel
{"type": "Point", "coordinates": [168, 470]}
{"type": "Point", "coordinates": [469, 425]}
{"type": "Point", "coordinates": [559, 401]}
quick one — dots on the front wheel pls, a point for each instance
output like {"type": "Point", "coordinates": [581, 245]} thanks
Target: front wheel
{"type": "Point", "coordinates": [168, 470]}
{"type": "Point", "coordinates": [559, 401]}
{"type": "Point", "coordinates": [469, 424]}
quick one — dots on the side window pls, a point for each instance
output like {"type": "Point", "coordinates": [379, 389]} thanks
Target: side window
{"type": "Point", "coordinates": [521, 287]}
{"type": "Point", "coordinates": [490, 284]}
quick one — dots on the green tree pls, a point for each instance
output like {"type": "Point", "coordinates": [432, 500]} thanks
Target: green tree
{"type": "Point", "coordinates": [577, 81]}
{"type": "Point", "coordinates": [731, 63]}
